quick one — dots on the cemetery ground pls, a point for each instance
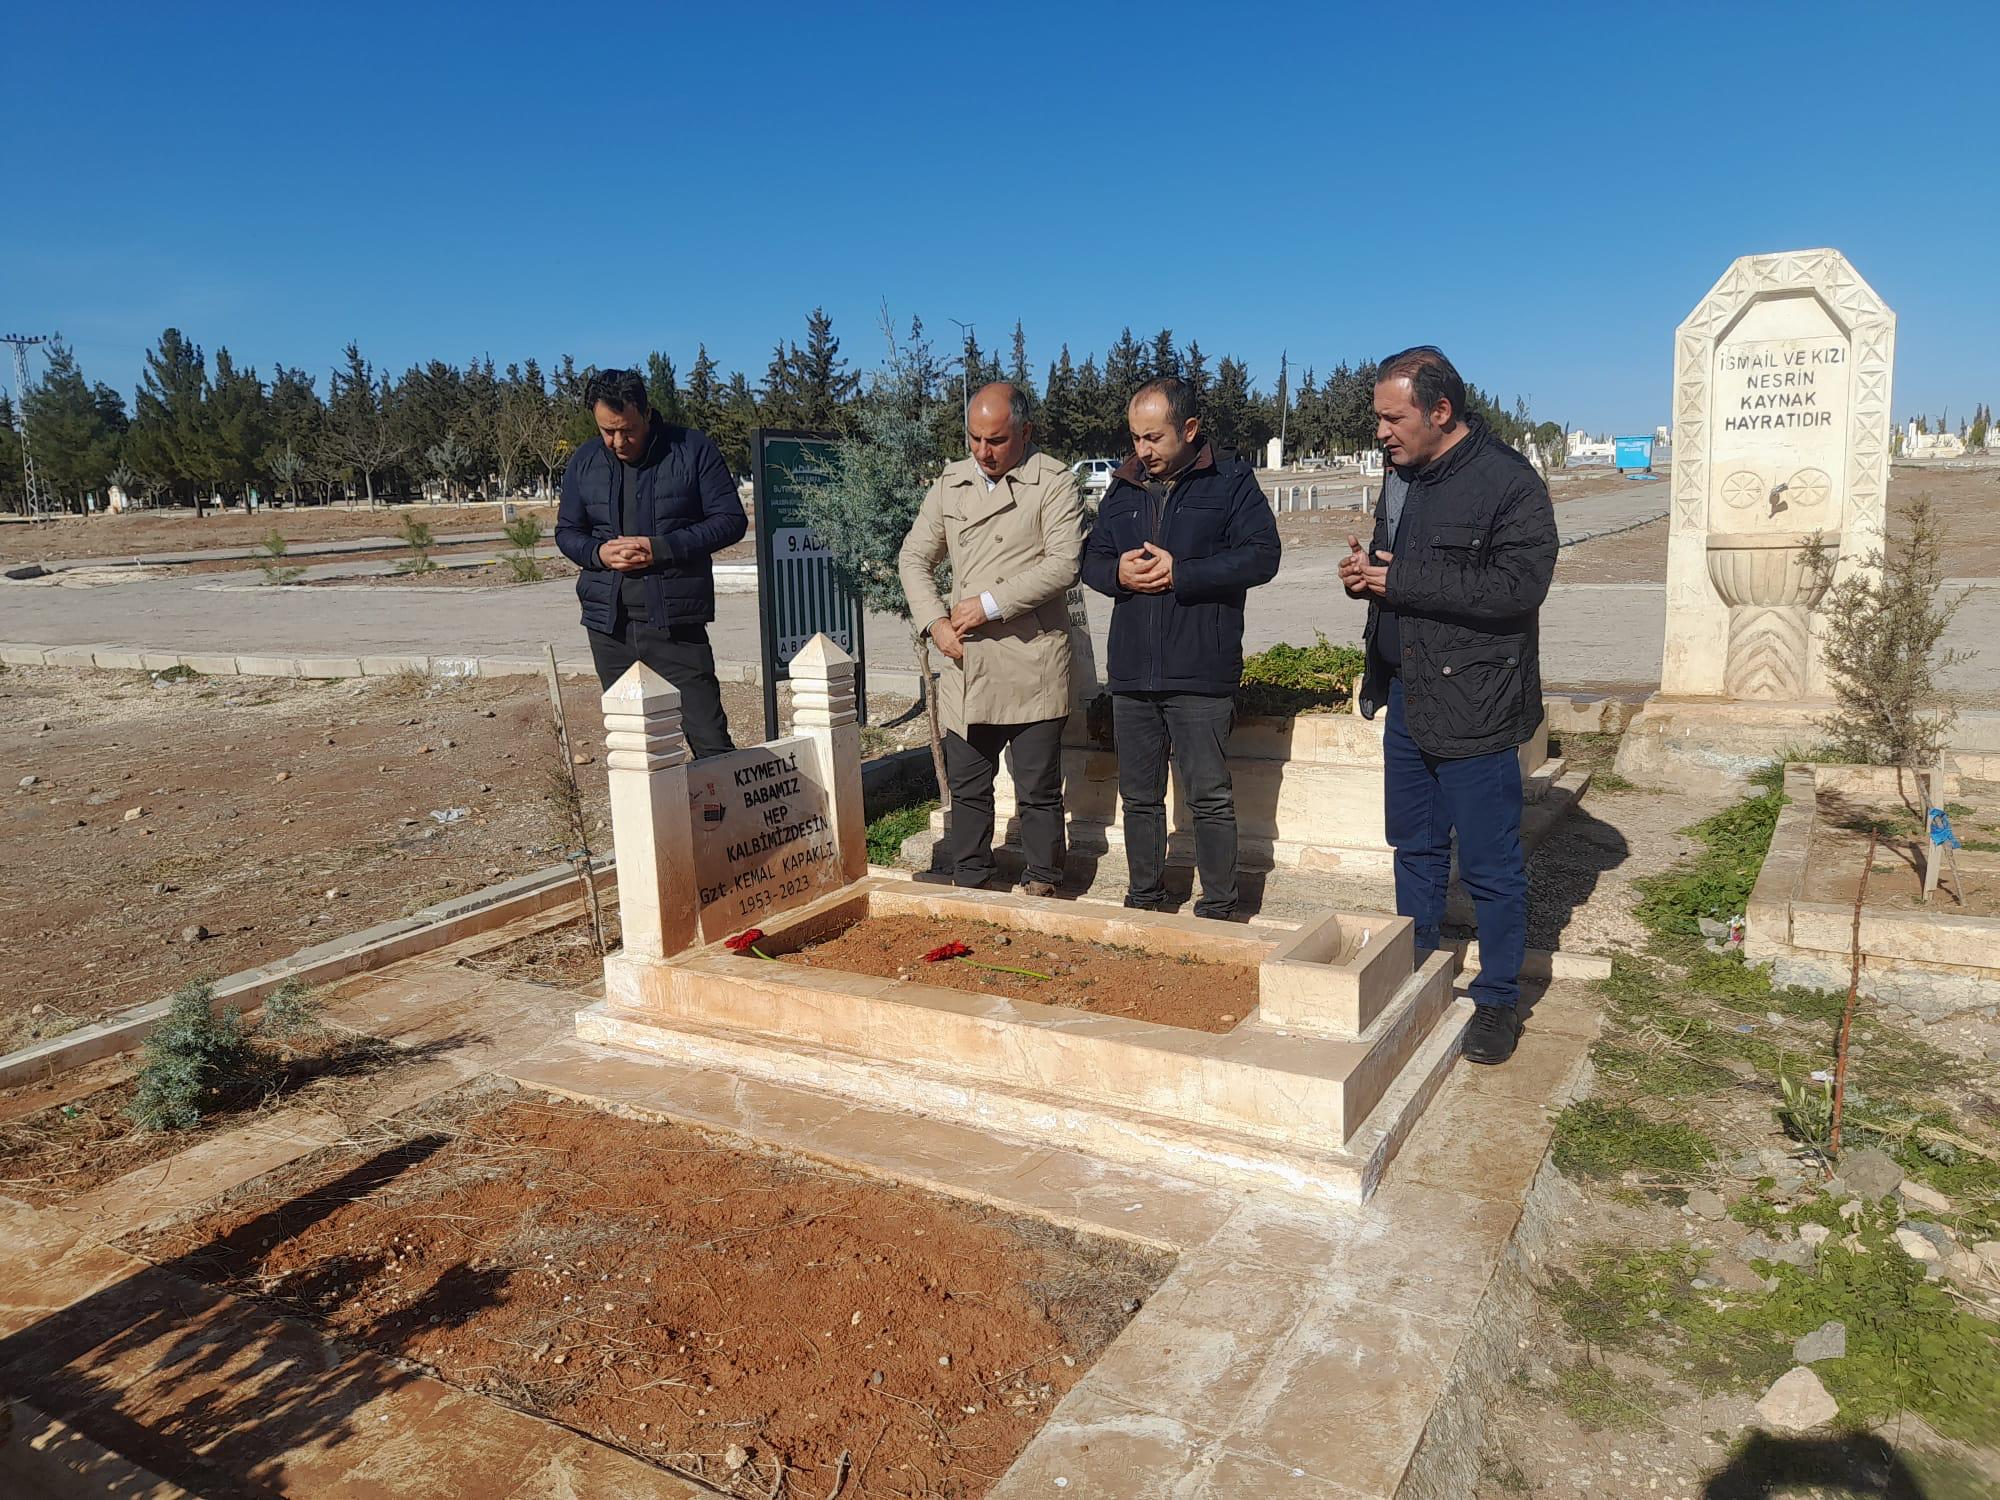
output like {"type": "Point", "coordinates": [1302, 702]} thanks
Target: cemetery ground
{"type": "Point", "coordinates": [437, 1240]}
{"type": "Point", "coordinates": [162, 828]}
{"type": "Point", "coordinates": [140, 531]}
{"type": "Point", "coordinates": [1967, 502]}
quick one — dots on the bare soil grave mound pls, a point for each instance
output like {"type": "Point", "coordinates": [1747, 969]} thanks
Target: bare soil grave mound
{"type": "Point", "coordinates": [1113, 981]}
{"type": "Point", "coordinates": [1896, 880]}
{"type": "Point", "coordinates": [758, 1322]}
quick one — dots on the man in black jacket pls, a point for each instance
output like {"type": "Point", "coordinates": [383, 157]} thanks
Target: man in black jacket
{"type": "Point", "coordinates": [1464, 546]}
{"type": "Point", "coordinates": [645, 506]}
{"type": "Point", "coordinates": [1182, 535]}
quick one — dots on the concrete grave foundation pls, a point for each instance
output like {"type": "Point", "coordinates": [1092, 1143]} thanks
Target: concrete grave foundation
{"type": "Point", "coordinates": [1932, 961]}
{"type": "Point", "coordinates": [1312, 1093]}
{"type": "Point", "coordinates": [1308, 794]}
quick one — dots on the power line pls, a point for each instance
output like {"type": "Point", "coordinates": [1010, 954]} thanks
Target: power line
{"type": "Point", "coordinates": [37, 497]}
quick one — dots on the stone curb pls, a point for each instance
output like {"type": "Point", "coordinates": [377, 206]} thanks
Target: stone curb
{"type": "Point", "coordinates": [355, 952]}
{"type": "Point", "coordinates": [1576, 538]}
{"type": "Point", "coordinates": [1580, 712]}
{"type": "Point", "coordinates": [111, 656]}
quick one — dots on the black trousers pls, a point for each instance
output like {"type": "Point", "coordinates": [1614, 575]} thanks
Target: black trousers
{"type": "Point", "coordinates": [1191, 730]}
{"type": "Point", "coordinates": [682, 655]}
{"type": "Point", "coordinates": [970, 761]}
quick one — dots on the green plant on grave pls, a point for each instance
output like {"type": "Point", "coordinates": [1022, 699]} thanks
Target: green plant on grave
{"type": "Point", "coordinates": [524, 533]}
{"type": "Point", "coordinates": [1807, 1113]}
{"type": "Point", "coordinates": [417, 537]}
{"type": "Point", "coordinates": [1881, 640]}
{"type": "Point", "coordinates": [274, 548]}
{"type": "Point", "coordinates": [888, 830]}
{"type": "Point", "coordinates": [1284, 680]}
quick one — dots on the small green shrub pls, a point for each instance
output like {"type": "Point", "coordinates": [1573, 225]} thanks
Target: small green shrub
{"type": "Point", "coordinates": [525, 533]}
{"type": "Point", "coordinates": [199, 1058]}
{"type": "Point", "coordinates": [274, 547]}
{"type": "Point", "coordinates": [290, 1011]}
{"type": "Point", "coordinates": [190, 1057]}
{"type": "Point", "coordinates": [1285, 680]}
{"type": "Point", "coordinates": [417, 537]}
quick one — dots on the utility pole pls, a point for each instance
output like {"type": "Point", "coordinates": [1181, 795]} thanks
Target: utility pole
{"type": "Point", "coordinates": [1284, 399]}
{"type": "Point", "coordinates": [964, 389]}
{"type": "Point", "coordinates": [34, 495]}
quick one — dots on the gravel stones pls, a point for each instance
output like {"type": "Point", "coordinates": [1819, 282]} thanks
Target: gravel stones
{"type": "Point", "coordinates": [1797, 1402]}
{"type": "Point", "coordinates": [1828, 1341]}
{"type": "Point", "coordinates": [1869, 1173]}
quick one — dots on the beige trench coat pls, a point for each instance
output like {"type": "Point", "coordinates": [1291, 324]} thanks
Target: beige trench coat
{"type": "Point", "coordinates": [1019, 542]}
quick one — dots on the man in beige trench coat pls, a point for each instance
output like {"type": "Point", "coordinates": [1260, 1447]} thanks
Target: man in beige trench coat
{"type": "Point", "coordinates": [1011, 523]}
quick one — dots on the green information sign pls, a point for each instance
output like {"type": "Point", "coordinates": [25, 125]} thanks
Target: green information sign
{"type": "Point", "coordinates": [799, 593]}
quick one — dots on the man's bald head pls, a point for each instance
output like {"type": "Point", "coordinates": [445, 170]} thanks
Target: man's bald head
{"type": "Point", "coordinates": [996, 422]}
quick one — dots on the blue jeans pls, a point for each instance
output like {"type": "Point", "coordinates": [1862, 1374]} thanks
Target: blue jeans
{"type": "Point", "coordinates": [1479, 798]}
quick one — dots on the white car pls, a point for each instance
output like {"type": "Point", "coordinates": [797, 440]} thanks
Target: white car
{"type": "Point", "coordinates": [1093, 475]}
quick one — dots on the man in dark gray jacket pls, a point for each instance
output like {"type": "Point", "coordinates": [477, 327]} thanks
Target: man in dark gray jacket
{"type": "Point", "coordinates": [645, 506]}
{"type": "Point", "coordinates": [1464, 547]}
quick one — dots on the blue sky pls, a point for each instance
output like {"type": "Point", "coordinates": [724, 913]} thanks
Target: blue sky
{"type": "Point", "coordinates": [1543, 190]}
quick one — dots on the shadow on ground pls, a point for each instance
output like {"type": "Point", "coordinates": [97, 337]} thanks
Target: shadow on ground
{"type": "Point", "coordinates": [211, 1391]}
{"type": "Point", "coordinates": [1855, 1463]}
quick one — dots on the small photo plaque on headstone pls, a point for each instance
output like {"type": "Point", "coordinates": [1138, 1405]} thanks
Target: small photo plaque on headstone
{"type": "Point", "coordinates": [764, 838]}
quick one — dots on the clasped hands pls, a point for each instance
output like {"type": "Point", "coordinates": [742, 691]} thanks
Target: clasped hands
{"type": "Point", "coordinates": [1146, 570]}
{"type": "Point", "coordinates": [1358, 575]}
{"type": "Point", "coordinates": [626, 554]}
{"type": "Point", "coordinates": [948, 631]}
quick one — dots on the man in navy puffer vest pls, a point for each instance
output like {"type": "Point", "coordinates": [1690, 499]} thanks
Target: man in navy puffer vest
{"type": "Point", "coordinates": [645, 506]}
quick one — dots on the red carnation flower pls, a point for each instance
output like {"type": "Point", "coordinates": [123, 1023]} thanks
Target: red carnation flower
{"type": "Point", "coordinates": [949, 950]}
{"type": "Point", "coordinates": [745, 942]}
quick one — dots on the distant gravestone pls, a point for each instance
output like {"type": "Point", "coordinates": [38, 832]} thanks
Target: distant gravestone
{"type": "Point", "coordinates": [1781, 434]}
{"type": "Point", "coordinates": [763, 834]}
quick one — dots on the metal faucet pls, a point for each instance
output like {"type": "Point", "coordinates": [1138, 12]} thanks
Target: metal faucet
{"type": "Point", "coordinates": [1777, 502]}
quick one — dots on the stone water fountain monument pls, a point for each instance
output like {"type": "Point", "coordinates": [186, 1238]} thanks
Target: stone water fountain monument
{"type": "Point", "coordinates": [1781, 439]}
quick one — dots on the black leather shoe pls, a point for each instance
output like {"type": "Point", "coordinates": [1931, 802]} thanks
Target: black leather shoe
{"type": "Point", "coordinates": [1492, 1035]}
